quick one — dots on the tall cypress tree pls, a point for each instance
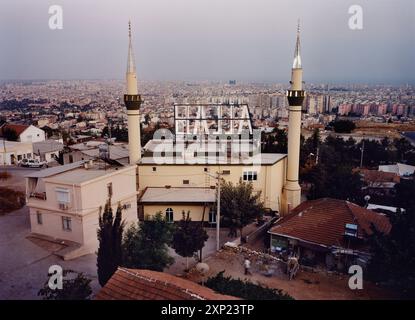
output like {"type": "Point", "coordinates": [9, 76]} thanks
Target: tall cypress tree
{"type": "Point", "coordinates": [110, 238]}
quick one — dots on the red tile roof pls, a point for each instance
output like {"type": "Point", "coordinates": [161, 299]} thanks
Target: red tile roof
{"type": "Point", "coordinates": [19, 128]}
{"type": "Point", "coordinates": [323, 222]}
{"type": "Point", "coordinates": [135, 284]}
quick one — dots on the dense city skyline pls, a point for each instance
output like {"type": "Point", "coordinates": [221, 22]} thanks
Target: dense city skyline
{"type": "Point", "coordinates": [208, 40]}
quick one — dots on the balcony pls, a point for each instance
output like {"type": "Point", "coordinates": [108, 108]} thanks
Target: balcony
{"type": "Point", "coordinates": [38, 195]}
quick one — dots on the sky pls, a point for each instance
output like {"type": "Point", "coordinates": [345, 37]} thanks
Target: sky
{"type": "Point", "coordinates": [219, 40]}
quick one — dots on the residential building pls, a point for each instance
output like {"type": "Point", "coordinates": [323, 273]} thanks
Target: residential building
{"type": "Point", "coordinates": [47, 150]}
{"type": "Point", "coordinates": [25, 133]}
{"type": "Point", "coordinates": [65, 202]}
{"type": "Point", "coordinates": [328, 232]}
{"type": "Point", "coordinates": [11, 152]}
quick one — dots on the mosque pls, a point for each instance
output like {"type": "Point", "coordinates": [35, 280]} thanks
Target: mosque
{"type": "Point", "coordinates": [180, 171]}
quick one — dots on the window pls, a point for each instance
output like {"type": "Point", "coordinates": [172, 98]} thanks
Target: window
{"type": "Point", "coordinates": [212, 215]}
{"type": "Point", "coordinates": [39, 218]}
{"type": "Point", "coordinates": [186, 181]}
{"type": "Point", "coordinates": [250, 176]}
{"type": "Point", "coordinates": [66, 224]}
{"type": "Point", "coordinates": [154, 169]}
{"type": "Point", "coordinates": [205, 169]}
{"type": "Point", "coordinates": [70, 158]}
{"type": "Point", "coordinates": [109, 189]}
{"type": "Point", "coordinates": [62, 195]}
{"type": "Point", "coordinates": [226, 172]}
{"type": "Point", "coordinates": [126, 206]}
{"type": "Point", "coordinates": [169, 215]}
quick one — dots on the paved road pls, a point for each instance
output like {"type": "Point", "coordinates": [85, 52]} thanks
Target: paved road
{"type": "Point", "coordinates": [24, 265]}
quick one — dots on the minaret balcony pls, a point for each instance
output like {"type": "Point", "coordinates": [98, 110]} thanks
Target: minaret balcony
{"type": "Point", "coordinates": [132, 101]}
{"type": "Point", "coordinates": [296, 98]}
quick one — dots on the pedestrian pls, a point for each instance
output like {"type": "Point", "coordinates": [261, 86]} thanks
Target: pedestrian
{"type": "Point", "coordinates": [247, 265]}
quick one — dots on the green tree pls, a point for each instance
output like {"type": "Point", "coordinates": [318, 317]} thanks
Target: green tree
{"type": "Point", "coordinates": [244, 289]}
{"type": "Point", "coordinates": [109, 255]}
{"type": "Point", "coordinates": [10, 134]}
{"type": "Point", "coordinates": [403, 147]}
{"type": "Point", "coordinates": [75, 287]}
{"type": "Point", "coordinates": [145, 245]}
{"type": "Point", "coordinates": [188, 238]}
{"type": "Point", "coordinates": [393, 255]}
{"type": "Point", "coordinates": [343, 126]}
{"type": "Point", "coordinates": [239, 206]}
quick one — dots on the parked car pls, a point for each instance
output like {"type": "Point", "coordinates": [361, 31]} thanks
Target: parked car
{"type": "Point", "coordinates": [33, 163]}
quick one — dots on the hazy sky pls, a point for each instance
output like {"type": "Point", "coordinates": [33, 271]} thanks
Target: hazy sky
{"type": "Point", "coordinates": [246, 40]}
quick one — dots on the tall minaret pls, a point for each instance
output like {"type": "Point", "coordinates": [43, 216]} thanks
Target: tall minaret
{"type": "Point", "coordinates": [296, 95]}
{"type": "Point", "coordinates": [132, 101]}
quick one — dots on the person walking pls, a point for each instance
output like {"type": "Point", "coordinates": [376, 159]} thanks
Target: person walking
{"type": "Point", "coordinates": [247, 265]}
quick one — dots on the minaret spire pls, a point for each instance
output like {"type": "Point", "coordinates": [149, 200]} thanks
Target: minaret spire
{"type": "Point", "coordinates": [132, 101]}
{"type": "Point", "coordinates": [131, 60]}
{"type": "Point", "coordinates": [295, 96]}
{"type": "Point", "coordinates": [297, 55]}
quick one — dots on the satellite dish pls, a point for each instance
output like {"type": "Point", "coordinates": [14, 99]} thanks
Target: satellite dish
{"type": "Point", "coordinates": [367, 198]}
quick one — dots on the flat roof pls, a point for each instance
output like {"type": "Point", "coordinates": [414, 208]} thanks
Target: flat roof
{"type": "Point", "coordinates": [178, 195]}
{"type": "Point", "coordinates": [116, 152]}
{"type": "Point", "coordinates": [261, 159]}
{"type": "Point", "coordinates": [80, 175]}
{"type": "Point", "coordinates": [55, 170]}
{"type": "Point", "coordinates": [47, 146]}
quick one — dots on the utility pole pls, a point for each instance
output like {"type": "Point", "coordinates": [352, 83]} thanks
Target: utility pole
{"type": "Point", "coordinates": [218, 180]}
{"type": "Point", "coordinates": [362, 149]}
{"type": "Point", "coordinates": [218, 215]}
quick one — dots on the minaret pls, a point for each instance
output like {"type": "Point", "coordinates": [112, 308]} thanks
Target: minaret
{"type": "Point", "coordinates": [296, 95]}
{"type": "Point", "coordinates": [132, 101]}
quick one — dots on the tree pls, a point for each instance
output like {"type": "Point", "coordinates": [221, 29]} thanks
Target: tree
{"type": "Point", "coordinates": [109, 255]}
{"type": "Point", "coordinates": [275, 142]}
{"type": "Point", "coordinates": [10, 134]}
{"type": "Point", "coordinates": [76, 287]}
{"type": "Point", "coordinates": [188, 238]}
{"type": "Point", "coordinates": [239, 205]}
{"type": "Point", "coordinates": [145, 245]}
{"type": "Point", "coordinates": [403, 147]}
{"type": "Point", "coordinates": [343, 126]}
{"type": "Point", "coordinates": [393, 255]}
{"type": "Point", "coordinates": [244, 289]}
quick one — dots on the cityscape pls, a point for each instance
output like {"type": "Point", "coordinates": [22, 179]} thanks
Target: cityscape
{"type": "Point", "coordinates": [228, 188]}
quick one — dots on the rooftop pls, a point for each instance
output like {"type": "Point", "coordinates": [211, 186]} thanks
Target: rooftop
{"type": "Point", "coordinates": [80, 175]}
{"type": "Point", "coordinates": [47, 146]}
{"type": "Point", "coordinates": [18, 128]}
{"type": "Point", "coordinates": [134, 284]}
{"type": "Point", "coordinates": [323, 222]}
{"type": "Point", "coordinates": [178, 195]}
{"type": "Point", "coordinates": [260, 159]}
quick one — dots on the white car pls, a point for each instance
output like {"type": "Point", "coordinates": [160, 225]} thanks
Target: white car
{"type": "Point", "coordinates": [33, 163]}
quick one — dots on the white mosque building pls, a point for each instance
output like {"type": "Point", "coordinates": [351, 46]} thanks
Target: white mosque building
{"type": "Point", "coordinates": [173, 172]}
